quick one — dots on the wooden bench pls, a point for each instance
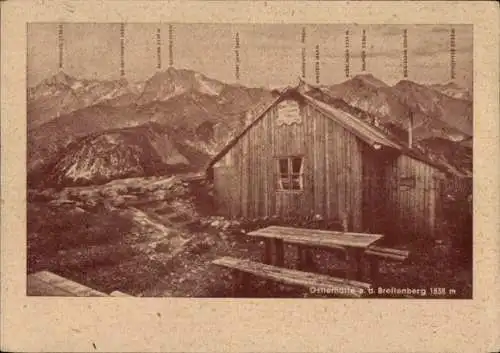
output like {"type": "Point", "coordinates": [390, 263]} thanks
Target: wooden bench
{"type": "Point", "coordinates": [321, 283]}
{"type": "Point", "coordinates": [353, 244]}
{"type": "Point", "coordinates": [45, 283]}
{"type": "Point", "coordinates": [376, 253]}
{"type": "Point", "coordinates": [388, 253]}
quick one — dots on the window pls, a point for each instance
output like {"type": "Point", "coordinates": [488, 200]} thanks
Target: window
{"type": "Point", "coordinates": [290, 173]}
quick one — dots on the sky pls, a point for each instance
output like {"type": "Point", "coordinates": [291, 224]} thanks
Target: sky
{"type": "Point", "coordinates": [270, 55]}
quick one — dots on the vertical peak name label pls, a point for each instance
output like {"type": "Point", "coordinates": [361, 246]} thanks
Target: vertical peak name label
{"type": "Point", "coordinates": [170, 45]}
{"type": "Point", "coordinates": [347, 55]}
{"type": "Point", "coordinates": [363, 51]}
{"type": "Point", "coordinates": [303, 52]}
{"type": "Point", "coordinates": [405, 53]}
{"type": "Point", "coordinates": [453, 49]}
{"type": "Point", "coordinates": [122, 50]}
{"type": "Point", "coordinates": [317, 68]}
{"type": "Point", "coordinates": [158, 49]}
{"type": "Point", "coordinates": [237, 56]}
{"type": "Point", "coordinates": [60, 44]}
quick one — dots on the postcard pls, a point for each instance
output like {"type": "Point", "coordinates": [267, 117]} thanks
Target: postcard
{"type": "Point", "coordinates": [178, 176]}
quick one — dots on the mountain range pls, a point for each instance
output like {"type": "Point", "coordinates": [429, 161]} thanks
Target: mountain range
{"type": "Point", "coordinates": [90, 131]}
{"type": "Point", "coordinates": [435, 113]}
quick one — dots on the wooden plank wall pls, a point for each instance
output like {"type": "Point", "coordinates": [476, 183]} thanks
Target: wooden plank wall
{"type": "Point", "coordinates": [453, 205]}
{"type": "Point", "coordinates": [226, 186]}
{"type": "Point", "coordinates": [375, 216]}
{"type": "Point", "coordinates": [248, 185]}
{"type": "Point", "coordinates": [413, 208]}
{"type": "Point", "coordinates": [337, 172]}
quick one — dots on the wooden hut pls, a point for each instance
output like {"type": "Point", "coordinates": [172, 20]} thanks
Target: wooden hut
{"type": "Point", "coordinates": [302, 156]}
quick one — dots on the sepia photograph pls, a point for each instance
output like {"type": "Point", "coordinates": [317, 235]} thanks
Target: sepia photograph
{"type": "Point", "coordinates": [246, 160]}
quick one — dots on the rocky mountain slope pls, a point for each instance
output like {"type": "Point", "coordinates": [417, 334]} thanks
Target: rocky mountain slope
{"type": "Point", "coordinates": [62, 94]}
{"type": "Point", "coordinates": [456, 113]}
{"type": "Point", "coordinates": [199, 113]}
{"type": "Point", "coordinates": [371, 95]}
{"type": "Point", "coordinates": [435, 114]}
{"type": "Point", "coordinates": [453, 90]}
{"type": "Point", "coordinates": [167, 84]}
{"type": "Point", "coordinates": [149, 149]}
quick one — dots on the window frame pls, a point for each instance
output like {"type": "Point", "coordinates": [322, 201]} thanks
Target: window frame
{"type": "Point", "coordinates": [290, 175]}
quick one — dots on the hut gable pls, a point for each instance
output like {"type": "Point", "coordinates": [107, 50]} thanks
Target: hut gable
{"type": "Point", "coordinates": [294, 157]}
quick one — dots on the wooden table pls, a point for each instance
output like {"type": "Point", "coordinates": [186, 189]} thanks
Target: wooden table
{"type": "Point", "coordinates": [354, 244]}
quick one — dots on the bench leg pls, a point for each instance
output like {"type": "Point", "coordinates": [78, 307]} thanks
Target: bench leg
{"type": "Point", "coordinates": [269, 251]}
{"type": "Point", "coordinates": [374, 269]}
{"type": "Point", "coordinates": [279, 247]}
{"type": "Point", "coordinates": [274, 253]}
{"type": "Point", "coordinates": [305, 259]}
{"type": "Point", "coordinates": [355, 268]}
{"type": "Point", "coordinates": [240, 283]}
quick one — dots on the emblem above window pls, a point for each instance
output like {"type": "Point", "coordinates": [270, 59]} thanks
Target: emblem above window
{"type": "Point", "coordinates": [289, 113]}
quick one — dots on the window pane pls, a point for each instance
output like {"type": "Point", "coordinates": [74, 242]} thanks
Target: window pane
{"type": "Point", "coordinates": [296, 164]}
{"type": "Point", "coordinates": [284, 166]}
{"type": "Point", "coordinates": [296, 184]}
{"type": "Point", "coordinates": [285, 184]}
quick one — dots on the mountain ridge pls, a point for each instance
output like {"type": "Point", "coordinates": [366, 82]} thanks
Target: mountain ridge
{"type": "Point", "coordinates": [431, 109]}
{"type": "Point", "coordinates": [202, 114]}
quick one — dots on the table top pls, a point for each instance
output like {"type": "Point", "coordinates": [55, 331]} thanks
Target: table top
{"type": "Point", "coordinates": [315, 237]}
